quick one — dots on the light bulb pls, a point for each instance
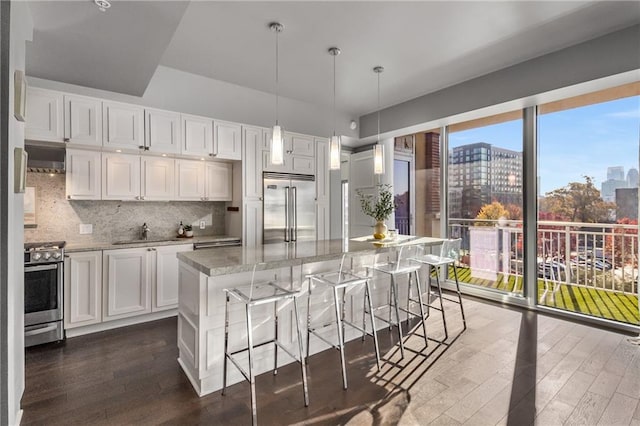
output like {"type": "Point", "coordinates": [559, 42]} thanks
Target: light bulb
{"type": "Point", "coordinates": [277, 146]}
{"type": "Point", "coordinates": [378, 159]}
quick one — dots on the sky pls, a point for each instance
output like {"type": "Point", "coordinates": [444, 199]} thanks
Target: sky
{"type": "Point", "coordinates": [572, 143]}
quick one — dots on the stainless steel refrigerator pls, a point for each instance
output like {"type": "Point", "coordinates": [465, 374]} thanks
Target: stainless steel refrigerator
{"type": "Point", "coordinates": [289, 207]}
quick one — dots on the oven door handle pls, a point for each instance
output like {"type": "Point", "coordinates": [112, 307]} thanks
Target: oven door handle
{"type": "Point", "coordinates": [41, 268]}
{"type": "Point", "coordinates": [41, 330]}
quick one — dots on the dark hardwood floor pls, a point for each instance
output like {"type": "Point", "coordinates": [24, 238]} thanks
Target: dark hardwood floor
{"type": "Point", "coordinates": [509, 367]}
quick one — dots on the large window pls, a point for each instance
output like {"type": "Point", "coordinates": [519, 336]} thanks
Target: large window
{"type": "Point", "coordinates": [588, 204]}
{"type": "Point", "coordinates": [485, 200]}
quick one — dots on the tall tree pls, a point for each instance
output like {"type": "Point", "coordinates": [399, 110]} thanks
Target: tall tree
{"type": "Point", "coordinates": [578, 202]}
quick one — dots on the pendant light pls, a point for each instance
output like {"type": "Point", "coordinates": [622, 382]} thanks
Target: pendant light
{"type": "Point", "coordinates": [378, 148]}
{"type": "Point", "coordinates": [277, 140]}
{"type": "Point", "coordinates": [334, 143]}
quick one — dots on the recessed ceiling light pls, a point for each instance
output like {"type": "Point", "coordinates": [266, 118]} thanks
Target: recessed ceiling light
{"type": "Point", "coordinates": [102, 4]}
{"type": "Point", "coordinates": [118, 150]}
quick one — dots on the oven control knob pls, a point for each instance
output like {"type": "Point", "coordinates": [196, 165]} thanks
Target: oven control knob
{"type": "Point", "coordinates": [47, 255]}
{"type": "Point", "coordinates": [36, 256]}
{"type": "Point", "coordinates": [56, 255]}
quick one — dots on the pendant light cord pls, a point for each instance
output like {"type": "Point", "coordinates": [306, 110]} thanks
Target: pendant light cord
{"type": "Point", "coordinates": [277, 76]}
{"type": "Point", "coordinates": [378, 107]}
{"type": "Point", "coordinates": [334, 95]}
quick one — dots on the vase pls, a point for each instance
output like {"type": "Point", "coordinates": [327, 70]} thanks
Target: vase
{"type": "Point", "coordinates": [380, 230]}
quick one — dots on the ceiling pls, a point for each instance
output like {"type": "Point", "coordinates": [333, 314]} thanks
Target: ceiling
{"type": "Point", "coordinates": [424, 46]}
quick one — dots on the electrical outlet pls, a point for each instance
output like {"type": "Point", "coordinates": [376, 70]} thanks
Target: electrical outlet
{"type": "Point", "coordinates": [86, 228]}
{"type": "Point", "coordinates": [203, 224]}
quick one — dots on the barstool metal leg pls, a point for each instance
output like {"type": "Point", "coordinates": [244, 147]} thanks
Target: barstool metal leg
{"type": "Point", "coordinates": [275, 325]}
{"type": "Point", "coordinates": [367, 297]}
{"type": "Point", "coordinates": [303, 364]}
{"type": "Point", "coordinates": [340, 337]}
{"type": "Point", "coordinates": [424, 319]}
{"type": "Point", "coordinates": [252, 379]}
{"type": "Point", "coordinates": [364, 312]}
{"type": "Point", "coordinates": [394, 289]}
{"type": "Point", "coordinates": [309, 317]}
{"type": "Point", "coordinates": [455, 273]}
{"type": "Point", "coordinates": [226, 344]}
{"type": "Point", "coordinates": [444, 319]}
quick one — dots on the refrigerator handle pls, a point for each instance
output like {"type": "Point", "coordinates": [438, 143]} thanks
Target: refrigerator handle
{"type": "Point", "coordinates": [294, 230]}
{"type": "Point", "coordinates": [286, 214]}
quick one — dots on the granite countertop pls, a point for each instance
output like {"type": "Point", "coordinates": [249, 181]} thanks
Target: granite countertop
{"type": "Point", "coordinates": [231, 260]}
{"type": "Point", "coordinates": [94, 246]}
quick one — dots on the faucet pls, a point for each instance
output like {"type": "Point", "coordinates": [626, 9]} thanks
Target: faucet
{"type": "Point", "coordinates": [145, 231]}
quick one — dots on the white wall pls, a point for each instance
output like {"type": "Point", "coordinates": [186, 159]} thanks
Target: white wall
{"type": "Point", "coordinates": [181, 91]}
{"type": "Point", "coordinates": [21, 30]}
{"type": "Point", "coordinates": [604, 56]}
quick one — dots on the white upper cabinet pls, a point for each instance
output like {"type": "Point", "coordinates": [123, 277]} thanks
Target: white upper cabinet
{"type": "Point", "coordinates": [83, 175]}
{"type": "Point", "coordinates": [227, 140]}
{"type": "Point", "coordinates": [252, 162]}
{"type": "Point", "coordinates": [158, 178]}
{"type": "Point", "coordinates": [197, 135]}
{"type": "Point", "coordinates": [190, 180]}
{"type": "Point", "coordinates": [322, 168]}
{"type": "Point", "coordinates": [299, 155]}
{"type": "Point", "coordinates": [162, 131]}
{"type": "Point", "coordinates": [218, 181]}
{"type": "Point", "coordinates": [122, 125]}
{"type": "Point", "coordinates": [82, 120]}
{"type": "Point", "coordinates": [120, 176]}
{"type": "Point", "coordinates": [299, 144]}
{"type": "Point", "coordinates": [45, 117]}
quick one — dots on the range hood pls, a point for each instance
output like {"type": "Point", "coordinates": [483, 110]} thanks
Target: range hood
{"type": "Point", "coordinates": [45, 159]}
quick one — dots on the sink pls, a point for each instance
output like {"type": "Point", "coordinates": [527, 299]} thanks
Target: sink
{"type": "Point", "coordinates": [123, 242]}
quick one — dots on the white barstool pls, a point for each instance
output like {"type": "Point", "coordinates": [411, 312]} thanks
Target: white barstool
{"type": "Point", "coordinates": [403, 265]}
{"type": "Point", "coordinates": [449, 255]}
{"type": "Point", "coordinates": [253, 295]}
{"type": "Point", "coordinates": [342, 279]}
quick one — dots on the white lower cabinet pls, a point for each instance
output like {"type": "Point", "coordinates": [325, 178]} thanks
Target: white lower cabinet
{"type": "Point", "coordinates": [165, 289]}
{"type": "Point", "coordinates": [82, 289]}
{"type": "Point", "coordinates": [252, 226]}
{"type": "Point", "coordinates": [126, 283]}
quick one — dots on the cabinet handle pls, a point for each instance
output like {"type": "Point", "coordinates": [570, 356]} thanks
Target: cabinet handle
{"type": "Point", "coordinates": [260, 199]}
{"type": "Point", "coordinates": [141, 147]}
{"type": "Point", "coordinates": [149, 249]}
{"type": "Point", "coordinates": [68, 197]}
{"type": "Point", "coordinates": [212, 155]}
{"type": "Point", "coordinates": [146, 148]}
{"type": "Point", "coordinates": [142, 198]}
{"type": "Point", "coordinates": [66, 139]}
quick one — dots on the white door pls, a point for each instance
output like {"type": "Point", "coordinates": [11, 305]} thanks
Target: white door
{"type": "Point", "coordinates": [83, 176]}
{"type": "Point", "coordinates": [252, 226]}
{"type": "Point", "coordinates": [219, 181]}
{"type": "Point", "coordinates": [197, 136]}
{"type": "Point", "coordinates": [120, 176]}
{"type": "Point", "coordinates": [190, 180]}
{"type": "Point", "coordinates": [82, 120]}
{"type": "Point", "coordinates": [127, 289]}
{"type": "Point", "coordinates": [45, 117]}
{"type": "Point", "coordinates": [252, 162]}
{"type": "Point", "coordinates": [82, 289]}
{"type": "Point", "coordinates": [362, 178]}
{"type": "Point", "coordinates": [166, 285]}
{"type": "Point", "coordinates": [162, 131]}
{"type": "Point", "coordinates": [123, 125]}
{"type": "Point", "coordinates": [227, 140]}
{"type": "Point", "coordinates": [158, 178]}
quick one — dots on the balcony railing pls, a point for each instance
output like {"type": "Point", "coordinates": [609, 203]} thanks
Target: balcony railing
{"type": "Point", "coordinates": [590, 256]}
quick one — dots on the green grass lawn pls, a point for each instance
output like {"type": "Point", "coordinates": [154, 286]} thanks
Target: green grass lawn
{"type": "Point", "coordinates": [616, 306]}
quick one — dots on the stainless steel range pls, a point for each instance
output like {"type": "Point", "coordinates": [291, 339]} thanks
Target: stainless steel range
{"type": "Point", "coordinates": [43, 278]}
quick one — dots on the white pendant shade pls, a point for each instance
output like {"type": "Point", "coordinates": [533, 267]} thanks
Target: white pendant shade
{"type": "Point", "coordinates": [277, 146]}
{"type": "Point", "coordinates": [334, 153]}
{"type": "Point", "coordinates": [378, 159]}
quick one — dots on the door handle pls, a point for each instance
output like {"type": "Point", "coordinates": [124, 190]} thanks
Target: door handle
{"type": "Point", "coordinates": [286, 213]}
{"type": "Point", "coordinates": [42, 330]}
{"type": "Point", "coordinates": [294, 204]}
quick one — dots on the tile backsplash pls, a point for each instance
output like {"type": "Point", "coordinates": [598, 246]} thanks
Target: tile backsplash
{"type": "Point", "coordinates": [59, 219]}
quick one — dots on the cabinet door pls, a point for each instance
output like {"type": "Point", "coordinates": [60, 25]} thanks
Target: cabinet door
{"type": "Point", "coordinates": [45, 118]}
{"type": "Point", "coordinates": [302, 164]}
{"type": "Point", "coordinates": [227, 140]}
{"type": "Point", "coordinates": [300, 144]}
{"type": "Point", "coordinates": [162, 131]}
{"type": "Point", "coordinates": [82, 289]}
{"type": "Point", "coordinates": [82, 120]}
{"type": "Point", "coordinates": [218, 184]}
{"type": "Point", "coordinates": [158, 178]}
{"type": "Point", "coordinates": [197, 135]}
{"type": "Point", "coordinates": [120, 177]}
{"type": "Point", "coordinates": [83, 176]}
{"type": "Point", "coordinates": [123, 125]}
{"type": "Point", "coordinates": [322, 170]}
{"type": "Point", "coordinates": [268, 167]}
{"type": "Point", "coordinates": [252, 226]}
{"type": "Point", "coordinates": [252, 162]}
{"type": "Point", "coordinates": [190, 180]}
{"type": "Point", "coordinates": [165, 295]}
{"type": "Point", "coordinates": [126, 277]}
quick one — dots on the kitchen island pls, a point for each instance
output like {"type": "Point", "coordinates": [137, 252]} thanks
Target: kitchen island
{"type": "Point", "coordinates": [204, 274]}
